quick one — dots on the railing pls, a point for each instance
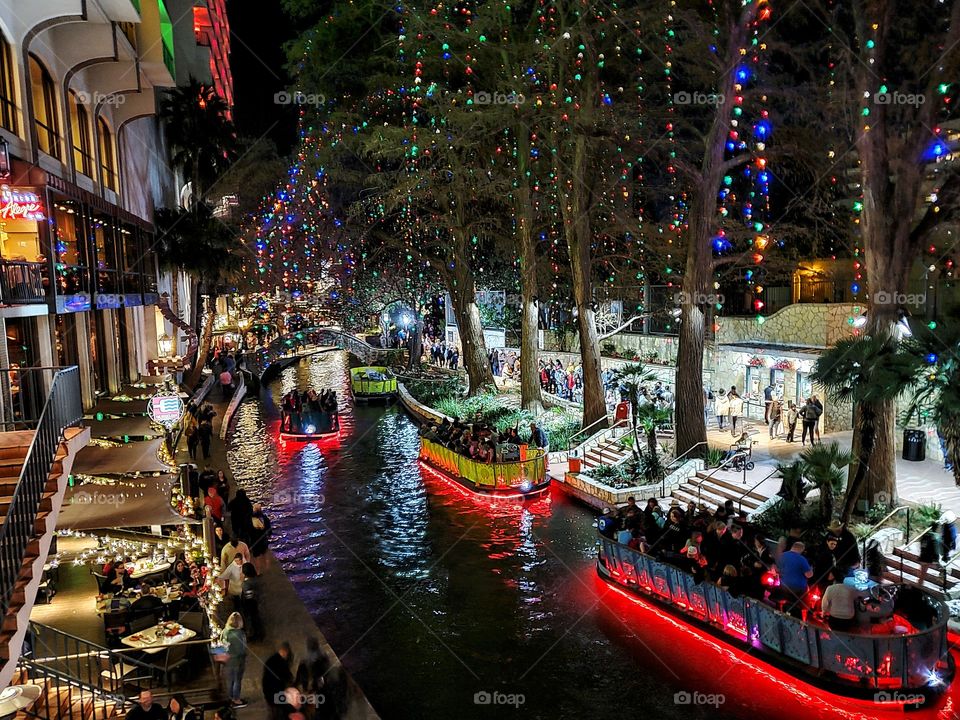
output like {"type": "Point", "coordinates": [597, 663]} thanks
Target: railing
{"type": "Point", "coordinates": [493, 476]}
{"type": "Point", "coordinates": [573, 443]}
{"type": "Point", "coordinates": [761, 482]}
{"type": "Point", "coordinates": [882, 521]}
{"type": "Point", "coordinates": [22, 283]}
{"type": "Point", "coordinates": [290, 344]}
{"type": "Point", "coordinates": [910, 659]}
{"type": "Point", "coordinates": [63, 409]}
{"type": "Point", "coordinates": [684, 454]}
{"type": "Point", "coordinates": [713, 472]}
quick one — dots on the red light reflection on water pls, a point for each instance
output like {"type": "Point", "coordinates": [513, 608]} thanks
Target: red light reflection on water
{"type": "Point", "coordinates": [752, 688]}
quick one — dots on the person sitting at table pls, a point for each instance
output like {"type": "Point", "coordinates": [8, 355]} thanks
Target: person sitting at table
{"type": "Point", "coordinates": [147, 605]}
{"type": "Point", "coordinates": [120, 579]}
{"type": "Point", "coordinates": [180, 709]}
{"type": "Point", "coordinates": [839, 606]}
{"type": "Point", "coordinates": [826, 563]}
{"type": "Point", "coordinates": [181, 573]}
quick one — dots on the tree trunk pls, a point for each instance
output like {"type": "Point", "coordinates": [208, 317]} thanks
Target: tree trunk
{"type": "Point", "coordinates": [463, 297]}
{"type": "Point", "coordinates": [951, 441]}
{"type": "Point", "coordinates": [415, 344]}
{"type": "Point", "coordinates": [576, 219]}
{"type": "Point", "coordinates": [864, 436]}
{"type": "Point", "coordinates": [530, 395]}
{"type": "Point", "coordinates": [204, 350]}
{"type": "Point", "coordinates": [690, 426]}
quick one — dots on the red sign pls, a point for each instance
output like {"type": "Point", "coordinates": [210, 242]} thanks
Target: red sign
{"type": "Point", "coordinates": [19, 204]}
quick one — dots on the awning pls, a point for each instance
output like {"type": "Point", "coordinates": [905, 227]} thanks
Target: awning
{"type": "Point", "coordinates": [124, 460]}
{"type": "Point", "coordinates": [118, 427]}
{"type": "Point", "coordinates": [799, 352]}
{"type": "Point", "coordinates": [92, 506]}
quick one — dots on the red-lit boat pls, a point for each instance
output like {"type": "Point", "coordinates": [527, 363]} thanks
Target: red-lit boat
{"type": "Point", "coordinates": [310, 426]}
{"type": "Point", "coordinates": [911, 666]}
{"type": "Point", "coordinates": [521, 479]}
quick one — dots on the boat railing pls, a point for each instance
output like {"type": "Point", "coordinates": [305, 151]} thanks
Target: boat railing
{"type": "Point", "coordinates": [875, 660]}
{"type": "Point", "coordinates": [499, 474]}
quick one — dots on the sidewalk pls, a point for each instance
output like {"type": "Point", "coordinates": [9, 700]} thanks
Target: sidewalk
{"type": "Point", "coordinates": [284, 616]}
{"type": "Point", "coordinates": [919, 483]}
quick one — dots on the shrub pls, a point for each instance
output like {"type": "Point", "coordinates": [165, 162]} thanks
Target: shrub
{"type": "Point", "coordinates": [714, 456]}
{"type": "Point", "coordinates": [560, 431]}
{"type": "Point", "coordinates": [612, 475]}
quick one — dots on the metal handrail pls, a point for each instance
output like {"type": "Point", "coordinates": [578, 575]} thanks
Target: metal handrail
{"type": "Point", "coordinates": [717, 469]}
{"type": "Point", "coordinates": [571, 445]}
{"type": "Point", "coordinates": [62, 409]}
{"type": "Point", "coordinates": [740, 499]}
{"type": "Point", "coordinates": [883, 520]}
{"type": "Point", "coordinates": [686, 452]}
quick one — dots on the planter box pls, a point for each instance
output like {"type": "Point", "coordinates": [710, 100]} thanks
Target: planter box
{"type": "Point", "coordinates": [600, 495]}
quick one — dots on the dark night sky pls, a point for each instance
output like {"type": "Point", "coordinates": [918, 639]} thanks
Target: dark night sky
{"type": "Point", "coordinates": [259, 31]}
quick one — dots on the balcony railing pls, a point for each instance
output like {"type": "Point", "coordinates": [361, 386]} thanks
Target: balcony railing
{"type": "Point", "coordinates": [62, 409]}
{"type": "Point", "coordinates": [23, 283]}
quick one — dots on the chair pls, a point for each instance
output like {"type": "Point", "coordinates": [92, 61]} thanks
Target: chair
{"type": "Point", "coordinates": [115, 625]}
{"type": "Point", "coordinates": [103, 583]}
{"type": "Point", "coordinates": [115, 673]}
{"type": "Point", "coordinates": [141, 623]}
{"type": "Point", "coordinates": [174, 657]}
{"type": "Point", "coordinates": [196, 621]}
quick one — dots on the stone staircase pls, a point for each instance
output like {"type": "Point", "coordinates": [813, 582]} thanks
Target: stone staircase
{"type": "Point", "coordinates": [904, 566]}
{"type": "Point", "coordinates": [715, 490]}
{"type": "Point", "coordinates": [66, 701]}
{"type": "Point", "coordinates": [608, 452]}
{"type": "Point", "coordinates": [14, 447]}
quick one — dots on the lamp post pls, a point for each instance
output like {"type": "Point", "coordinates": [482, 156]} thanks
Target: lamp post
{"type": "Point", "coordinates": [165, 345]}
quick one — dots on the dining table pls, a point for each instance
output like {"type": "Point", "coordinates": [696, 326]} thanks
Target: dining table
{"type": "Point", "coordinates": [147, 566]}
{"type": "Point", "coordinates": [159, 637]}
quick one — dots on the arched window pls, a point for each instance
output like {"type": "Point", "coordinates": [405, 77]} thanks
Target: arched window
{"type": "Point", "coordinates": [8, 89]}
{"type": "Point", "coordinates": [80, 131]}
{"type": "Point", "coordinates": [45, 116]}
{"type": "Point", "coordinates": [108, 165]}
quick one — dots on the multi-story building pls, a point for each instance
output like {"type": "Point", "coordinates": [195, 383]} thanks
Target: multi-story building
{"type": "Point", "coordinates": [202, 39]}
{"type": "Point", "coordinates": [83, 167]}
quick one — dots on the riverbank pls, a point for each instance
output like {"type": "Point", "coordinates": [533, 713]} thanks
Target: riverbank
{"type": "Point", "coordinates": [285, 617]}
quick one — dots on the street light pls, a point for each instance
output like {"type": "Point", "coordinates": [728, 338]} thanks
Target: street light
{"type": "Point", "coordinates": [165, 345]}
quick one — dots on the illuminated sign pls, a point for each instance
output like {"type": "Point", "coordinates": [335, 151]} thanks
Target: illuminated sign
{"type": "Point", "coordinates": [165, 408]}
{"type": "Point", "coordinates": [20, 204]}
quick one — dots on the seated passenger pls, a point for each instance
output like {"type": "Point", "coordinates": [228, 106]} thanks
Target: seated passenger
{"type": "Point", "coordinates": [839, 606]}
{"type": "Point", "coordinates": [729, 580]}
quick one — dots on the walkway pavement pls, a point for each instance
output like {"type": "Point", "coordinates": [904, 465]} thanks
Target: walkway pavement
{"type": "Point", "coordinates": [919, 483]}
{"type": "Point", "coordinates": [284, 616]}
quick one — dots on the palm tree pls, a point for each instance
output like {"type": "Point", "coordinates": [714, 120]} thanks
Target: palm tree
{"type": "Point", "coordinates": [650, 417]}
{"type": "Point", "coordinates": [632, 378]}
{"type": "Point", "coordinates": [869, 372]}
{"type": "Point", "coordinates": [202, 139]}
{"type": "Point", "coordinates": [825, 467]}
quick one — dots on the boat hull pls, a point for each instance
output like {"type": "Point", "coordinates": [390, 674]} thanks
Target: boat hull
{"type": "Point", "coordinates": [521, 479]}
{"type": "Point", "coordinates": [920, 697]}
{"type": "Point", "coordinates": [535, 491]}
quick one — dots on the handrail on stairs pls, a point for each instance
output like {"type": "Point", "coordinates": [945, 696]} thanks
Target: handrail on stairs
{"type": "Point", "coordinates": [570, 443]}
{"type": "Point", "coordinates": [863, 552]}
{"type": "Point", "coordinates": [685, 453]}
{"type": "Point", "coordinates": [766, 477]}
{"type": "Point", "coordinates": [713, 472]}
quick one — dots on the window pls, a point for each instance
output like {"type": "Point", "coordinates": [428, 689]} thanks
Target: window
{"type": "Point", "coordinates": [108, 168]}
{"type": "Point", "coordinates": [80, 129]}
{"type": "Point", "coordinates": [8, 89]}
{"type": "Point", "coordinates": [45, 109]}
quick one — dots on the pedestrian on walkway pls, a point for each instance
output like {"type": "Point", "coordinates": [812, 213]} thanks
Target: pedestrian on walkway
{"type": "Point", "coordinates": [816, 426]}
{"type": "Point", "coordinates": [722, 408]}
{"type": "Point", "coordinates": [809, 417]}
{"type": "Point", "coordinates": [767, 402]}
{"type": "Point", "coordinates": [774, 415]}
{"type": "Point", "coordinates": [736, 409]}
{"type": "Point", "coordinates": [193, 441]}
{"type": "Point", "coordinates": [260, 540]}
{"type": "Point", "coordinates": [792, 416]}
{"type": "Point", "coordinates": [241, 515]}
{"type": "Point", "coordinates": [277, 677]}
{"type": "Point", "coordinates": [250, 602]}
{"type": "Point", "coordinates": [205, 431]}
{"type": "Point", "coordinates": [235, 641]}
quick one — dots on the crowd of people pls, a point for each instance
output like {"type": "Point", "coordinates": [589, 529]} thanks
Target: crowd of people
{"type": "Point", "coordinates": [781, 419]}
{"type": "Point", "coordinates": [720, 546]}
{"type": "Point", "coordinates": [308, 411]}
{"type": "Point", "coordinates": [482, 442]}
{"type": "Point", "coordinates": [443, 354]}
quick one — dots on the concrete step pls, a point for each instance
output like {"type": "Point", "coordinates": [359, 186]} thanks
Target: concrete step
{"type": "Point", "coordinates": [686, 495]}
{"type": "Point", "coordinates": [722, 492]}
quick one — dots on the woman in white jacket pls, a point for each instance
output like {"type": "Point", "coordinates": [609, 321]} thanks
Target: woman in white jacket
{"type": "Point", "coordinates": [722, 407]}
{"type": "Point", "coordinates": [735, 409]}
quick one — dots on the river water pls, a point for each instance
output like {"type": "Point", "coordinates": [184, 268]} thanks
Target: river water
{"type": "Point", "coordinates": [436, 601]}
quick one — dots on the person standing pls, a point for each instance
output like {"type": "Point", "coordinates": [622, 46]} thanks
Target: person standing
{"type": "Point", "coordinates": [235, 642]}
{"type": "Point", "coordinates": [277, 677]}
{"type": "Point", "coordinates": [721, 408]}
{"type": "Point", "coordinates": [260, 540]}
{"type": "Point", "coordinates": [819, 406]}
{"type": "Point", "coordinates": [193, 441]}
{"type": "Point", "coordinates": [809, 416]}
{"type": "Point", "coordinates": [250, 601]}
{"type": "Point", "coordinates": [774, 413]}
{"type": "Point", "coordinates": [736, 409]}
{"type": "Point", "coordinates": [792, 416]}
{"type": "Point", "coordinates": [205, 431]}
{"type": "Point", "coordinates": [767, 402]}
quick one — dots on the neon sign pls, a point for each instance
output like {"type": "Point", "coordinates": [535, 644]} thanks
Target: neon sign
{"type": "Point", "coordinates": [19, 204]}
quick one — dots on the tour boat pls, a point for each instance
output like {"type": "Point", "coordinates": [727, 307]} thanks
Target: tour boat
{"type": "Point", "coordinates": [521, 479]}
{"type": "Point", "coordinates": [910, 665]}
{"type": "Point", "coordinates": [373, 383]}
{"type": "Point", "coordinates": [310, 426]}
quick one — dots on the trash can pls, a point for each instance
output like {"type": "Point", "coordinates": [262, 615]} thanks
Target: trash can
{"type": "Point", "coordinates": [914, 444]}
